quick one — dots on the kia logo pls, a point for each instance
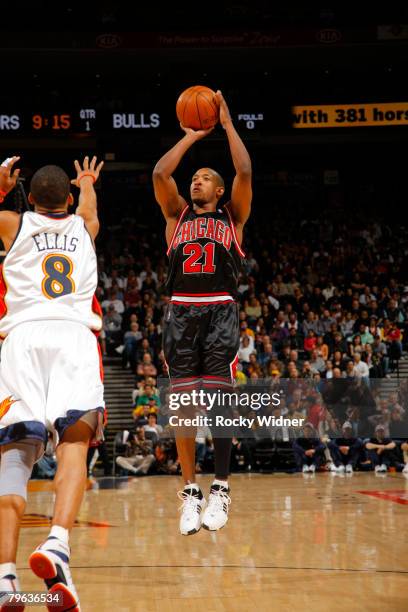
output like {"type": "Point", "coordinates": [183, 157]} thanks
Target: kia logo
{"type": "Point", "coordinates": [329, 36]}
{"type": "Point", "coordinates": [108, 41]}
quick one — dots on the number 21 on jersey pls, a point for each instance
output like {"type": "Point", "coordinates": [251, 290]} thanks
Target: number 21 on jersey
{"type": "Point", "coordinates": [57, 279]}
{"type": "Point", "coordinates": [195, 252]}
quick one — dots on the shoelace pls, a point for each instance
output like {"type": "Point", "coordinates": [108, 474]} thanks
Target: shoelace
{"type": "Point", "coordinates": [189, 500]}
{"type": "Point", "coordinates": [217, 499]}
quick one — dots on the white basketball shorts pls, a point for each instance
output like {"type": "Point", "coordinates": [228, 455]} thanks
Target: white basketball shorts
{"type": "Point", "coordinates": [50, 376]}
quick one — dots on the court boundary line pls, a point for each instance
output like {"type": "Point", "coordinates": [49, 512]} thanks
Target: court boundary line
{"type": "Point", "coordinates": [239, 567]}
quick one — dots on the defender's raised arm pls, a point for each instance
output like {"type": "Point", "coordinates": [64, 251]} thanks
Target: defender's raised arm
{"type": "Point", "coordinates": [87, 175]}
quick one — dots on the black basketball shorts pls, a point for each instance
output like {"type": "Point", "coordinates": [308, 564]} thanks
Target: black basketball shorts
{"type": "Point", "coordinates": [201, 344]}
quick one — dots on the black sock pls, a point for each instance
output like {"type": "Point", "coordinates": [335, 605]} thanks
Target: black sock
{"type": "Point", "coordinates": [222, 457]}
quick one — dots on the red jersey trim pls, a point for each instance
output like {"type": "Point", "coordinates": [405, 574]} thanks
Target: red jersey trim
{"type": "Point", "coordinates": [183, 212]}
{"type": "Point", "coordinates": [234, 233]}
{"type": "Point", "coordinates": [233, 367]}
{"type": "Point", "coordinates": [101, 370]}
{"type": "Point", "coordinates": [201, 294]}
{"type": "Point", "coordinates": [3, 292]}
{"type": "Point", "coordinates": [202, 303]}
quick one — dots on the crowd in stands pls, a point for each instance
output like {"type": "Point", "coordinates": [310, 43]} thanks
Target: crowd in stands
{"type": "Point", "coordinates": [320, 301]}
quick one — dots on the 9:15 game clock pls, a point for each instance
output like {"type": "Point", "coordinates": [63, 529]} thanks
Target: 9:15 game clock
{"type": "Point", "coordinates": [57, 122]}
{"type": "Point", "coordinates": [60, 122]}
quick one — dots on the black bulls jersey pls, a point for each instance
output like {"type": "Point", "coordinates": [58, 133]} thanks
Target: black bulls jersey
{"type": "Point", "coordinates": [204, 258]}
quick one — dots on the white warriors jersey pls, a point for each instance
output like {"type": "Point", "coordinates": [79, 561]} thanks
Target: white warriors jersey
{"type": "Point", "coordinates": [50, 272]}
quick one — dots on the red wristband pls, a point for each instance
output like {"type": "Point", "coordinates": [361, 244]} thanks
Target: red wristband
{"type": "Point", "coordinates": [86, 174]}
{"type": "Point", "coordinates": [3, 193]}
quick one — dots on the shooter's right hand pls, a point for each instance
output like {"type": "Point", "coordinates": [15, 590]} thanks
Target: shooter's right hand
{"type": "Point", "coordinates": [195, 134]}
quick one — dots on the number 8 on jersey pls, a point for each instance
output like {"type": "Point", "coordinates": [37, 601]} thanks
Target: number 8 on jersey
{"type": "Point", "coordinates": [57, 276]}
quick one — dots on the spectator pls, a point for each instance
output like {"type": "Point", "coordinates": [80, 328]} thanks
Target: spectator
{"type": "Point", "coordinates": [365, 336]}
{"type": "Point", "coordinates": [394, 338]}
{"type": "Point", "coordinates": [147, 395]}
{"type": "Point", "coordinates": [295, 412]}
{"type": "Point", "coordinates": [345, 450]}
{"type": "Point", "coordinates": [139, 456]}
{"type": "Point", "coordinates": [253, 309]}
{"type": "Point", "coordinates": [347, 325]}
{"type": "Point", "coordinates": [146, 367]}
{"type": "Point", "coordinates": [328, 374]}
{"type": "Point", "coordinates": [315, 411]}
{"type": "Point", "coordinates": [247, 331]}
{"type": "Point", "coordinates": [307, 371]}
{"type": "Point", "coordinates": [393, 313]}
{"type": "Point", "coordinates": [316, 363]}
{"type": "Point", "coordinates": [338, 361]}
{"type": "Point", "coordinates": [379, 450]}
{"type": "Point", "coordinates": [310, 342]}
{"type": "Point", "coordinates": [112, 325]}
{"type": "Point", "coordinates": [325, 322]}
{"type": "Point", "coordinates": [245, 349]}
{"type": "Point", "coordinates": [349, 372]}
{"type": "Point", "coordinates": [279, 334]}
{"type": "Point", "coordinates": [131, 339]}
{"type": "Point", "coordinates": [115, 278]}
{"type": "Point", "coordinates": [266, 357]}
{"type": "Point", "coordinates": [360, 369]}
{"type": "Point", "coordinates": [152, 427]}
{"type": "Point", "coordinates": [355, 347]}
{"type": "Point", "coordinates": [141, 413]}
{"type": "Point", "coordinates": [309, 450]}
{"type": "Point", "coordinates": [293, 322]}
{"type": "Point", "coordinates": [322, 348]}
{"type": "Point", "coordinates": [113, 300]}
{"type": "Point", "coordinates": [254, 367]}
{"type": "Point", "coordinates": [143, 349]}
{"type": "Point", "coordinates": [295, 340]}
{"type": "Point", "coordinates": [310, 324]}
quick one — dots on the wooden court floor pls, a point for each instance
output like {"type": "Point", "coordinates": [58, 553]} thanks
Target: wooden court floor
{"type": "Point", "coordinates": [293, 542]}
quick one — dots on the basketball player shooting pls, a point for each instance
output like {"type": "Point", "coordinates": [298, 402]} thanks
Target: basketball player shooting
{"type": "Point", "coordinates": [201, 322]}
{"type": "Point", "coordinates": [50, 376]}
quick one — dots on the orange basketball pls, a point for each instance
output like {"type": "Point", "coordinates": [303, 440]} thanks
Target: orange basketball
{"type": "Point", "coordinates": [197, 108]}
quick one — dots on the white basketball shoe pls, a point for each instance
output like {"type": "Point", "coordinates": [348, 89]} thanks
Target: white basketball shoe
{"type": "Point", "coordinates": [9, 585]}
{"type": "Point", "coordinates": [50, 561]}
{"type": "Point", "coordinates": [191, 509]}
{"type": "Point", "coordinates": [216, 514]}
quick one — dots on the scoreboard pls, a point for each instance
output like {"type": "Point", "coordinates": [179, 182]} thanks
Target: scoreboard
{"type": "Point", "coordinates": [92, 121]}
{"type": "Point", "coordinates": [80, 121]}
